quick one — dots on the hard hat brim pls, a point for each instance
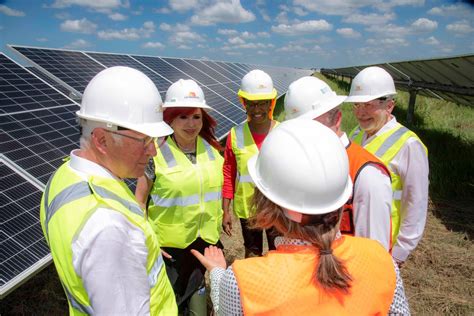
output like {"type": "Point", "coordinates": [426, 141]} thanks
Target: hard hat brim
{"type": "Point", "coordinates": [327, 106]}
{"type": "Point", "coordinates": [255, 97]}
{"type": "Point", "coordinates": [366, 98]}
{"type": "Point", "coordinates": [252, 168]}
{"type": "Point", "coordinates": [158, 129]}
{"type": "Point", "coordinates": [186, 105]}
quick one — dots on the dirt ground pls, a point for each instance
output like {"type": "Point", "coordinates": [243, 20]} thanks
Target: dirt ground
{"type": "Point", "coordinates": [438, 277]}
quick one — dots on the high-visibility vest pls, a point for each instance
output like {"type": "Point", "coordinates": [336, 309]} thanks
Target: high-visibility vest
{"type": "Point", "coordinates": [186, 198]}
{"type": "Point", "coordinates": [283, 281]}
{"type": "Point", "coordinates": [67, 204]}
{"type": "Point", "coordinates": [386, 146]}
{"type": "Point", "coordinates": [358, 159]}
{"type": "Point", "coordinates": [244, 148]}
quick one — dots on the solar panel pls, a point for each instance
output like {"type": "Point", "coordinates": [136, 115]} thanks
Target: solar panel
{"type": "Point", "coordinates": [110, 60]}
{"type": "Point", "coordinates": [216, 76]}
{"type": "Point", "coordinates": [227, 72]}
{"type": "Point", "coordinates": [199, 76]}
{"type": "Point", "coordinates": [38, 73]}
{"type": "Point", "coordinates": [35, 136]}
{"type": "Point", "coordinates": [74, 68]}
{"type": "Point", "coordinates": [163, 68]}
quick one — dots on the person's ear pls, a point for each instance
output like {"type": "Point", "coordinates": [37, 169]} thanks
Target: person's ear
{"type": "Point", "coordinates": [99, 139]}
{"type": "Point", "coordinates": [390, 105]}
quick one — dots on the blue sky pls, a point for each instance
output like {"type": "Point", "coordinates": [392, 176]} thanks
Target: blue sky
{"type": "Point", "coordinates": [295, 33]}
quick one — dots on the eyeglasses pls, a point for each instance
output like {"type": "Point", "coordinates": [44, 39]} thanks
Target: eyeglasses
{"type": "Point", "coordinates": [370, 104]}
{"type": "Point", "coordinates": [147, 140]}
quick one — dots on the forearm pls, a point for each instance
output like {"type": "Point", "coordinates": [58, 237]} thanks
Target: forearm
{"type": "Point", "coordinates": [143, 190]}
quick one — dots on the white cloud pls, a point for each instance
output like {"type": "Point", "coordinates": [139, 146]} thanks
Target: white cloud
{"type": "Point", "coordinates": [261, 52]}
{"type": "Point", "coordinates": [178, 27]}
{"type": "Point", "coordinates": [41, 39]}
{"type": "Point", "coordinates": [129, 33]}
{"type": "Point", "coordinates": [299, 48]}
{"type": "Point", "coordinates": [388, 42]}
{"type": "Point", "coordinates": [98, 5]}
{"type": "Point", "coordinates": [429, 41]}
{"type": "Point", "coordinates": [369, 19]}
{"type": "Point", "coordinates": [184, 46]}
{"type": "Point", "coordinates": [300, 11]}
{"type": "Point", "coordinates": [460, 27]}
{"type": "Point", "coordinates": [282, 18]}
{"type": "Point", "coordinates": [263, 34]}
{"type": "Point", "coordinates": [247, 35]}
{"type": "Point", "coordinates": [458, 10]}
{"type": "Point", "coordinates": [154, 45]}
{"type": "Point", "coordinates": [306, 27]}
{"type": "Point", "coordinates": [227, 32]}
{"type": "Point", "coordinates": [117, 17]}
{"type": "Point", "coordinates": [389, 30]}
{"type": "Point", "coordinates": [186, 38]}
{"type": "Point", "coordinates": [78, 44]}
{"type": "Point", "coordinates": [236, 41]}
{"type": "Point", "coordinates": [348, 32]}
{"type": "Point", "coordinates": [333, 7]}
{"type": "Point", "coordinates": [223, 12]}
{"type": "Point", "coordinates": [163, 10]}
{"type": "Point", "coordinates": [78, 26]}
{"type": "Point", "coordinates": [424, 25]}
{"type": "Point", "coordinates": [183, 5]}
{"type": "Point", "coordinates": [248, 46]}
{"type": "Point", "coordinates": [11, 12]}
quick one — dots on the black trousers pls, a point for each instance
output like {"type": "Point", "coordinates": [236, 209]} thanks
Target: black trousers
{"type": "Point", "coordinates": [185, 272]}
{"type": "Point", "coordinates": [253, 238]}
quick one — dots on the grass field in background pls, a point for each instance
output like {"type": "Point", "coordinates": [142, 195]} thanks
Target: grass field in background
{"type": "Point", "coordinates": [438, 276]}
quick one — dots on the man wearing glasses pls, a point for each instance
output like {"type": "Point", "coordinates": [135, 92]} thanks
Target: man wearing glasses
{"type": "Point", "coordinates": [105, 251]}
{"type": "Point", "coordinates": [405, 155]}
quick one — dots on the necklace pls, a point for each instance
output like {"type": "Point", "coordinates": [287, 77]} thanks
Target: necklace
{"type": "Point", "coordinates": [185, 150]}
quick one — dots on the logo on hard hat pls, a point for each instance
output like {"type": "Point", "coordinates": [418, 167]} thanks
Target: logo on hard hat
{"type": "Point", "coordinates": [324, 90]}
{"type": "Point", "coordinates": [358, 88]}
{"type": "Point", "coordinates": [191, 95]}
{"type": "Point", "coordinates": [262, 86]}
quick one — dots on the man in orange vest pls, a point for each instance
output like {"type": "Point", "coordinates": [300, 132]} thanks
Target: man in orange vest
{"type": "Point", "coordinates": [301, 186]}
{"type": "Point", "coordinates": [367, 214]}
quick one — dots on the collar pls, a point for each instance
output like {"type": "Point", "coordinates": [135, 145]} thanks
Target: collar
{"type": "Point", "coordinates": [86, 168]}
{"type": "Point", "coordinates": [344, 140]}
{"type": "Point", "coordinates": [285, 241]}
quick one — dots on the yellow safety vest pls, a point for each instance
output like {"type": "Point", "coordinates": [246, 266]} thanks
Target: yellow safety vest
{"type": "Point", "coordinates": [244, 148]}
{"type": "Point", "coordinates": [385, 147]}
{"type": "Point", "coordinates": [67, 204]}
{"type": "Point", "coordinates": [186, 198]}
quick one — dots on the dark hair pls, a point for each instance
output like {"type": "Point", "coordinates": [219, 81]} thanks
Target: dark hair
{"type": "Point", "coordinates": [208, 123]}
{"type": "Point", "coordinates": [319, 230]}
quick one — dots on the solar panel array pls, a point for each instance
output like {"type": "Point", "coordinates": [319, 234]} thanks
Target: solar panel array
{"type": "Point", "coordinates": [219, 80]}
{"type": "Point", "coordinates": [451, 78]}
{"type": "Point", "coordinates": [39, 129]}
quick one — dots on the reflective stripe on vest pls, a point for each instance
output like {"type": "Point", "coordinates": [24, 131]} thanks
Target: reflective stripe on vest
{"type": "Point", "coordinates": [239, 135]}
{"type": "Point", "coordinates": [168, 155]}
{"type": "Point", "coordinates": [106, 194]}
{"type": "Point", "coordinates": [75, 304]}
{"type": "Point", "coordinates": [390, 141]}
{"type": "Point", "coordinates": [73, 192]}
{"type": "Point", "coordinates": [155, 270]}
{"type": "Point", "coordinates": [244, 179]}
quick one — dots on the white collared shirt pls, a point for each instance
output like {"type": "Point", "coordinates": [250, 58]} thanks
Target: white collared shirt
{"type": "Point", "coordinates": [372, 203]}
{"type": "Point", "coordinates": [110, 256]}
{"type": "Point", "coordinates": [411, 164]}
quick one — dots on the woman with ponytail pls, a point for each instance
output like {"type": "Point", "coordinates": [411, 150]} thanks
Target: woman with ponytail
{"type": "Point", "coordinates": [302, 181]}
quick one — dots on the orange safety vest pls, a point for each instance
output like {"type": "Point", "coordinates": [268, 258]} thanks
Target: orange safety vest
{"type": "Point", "coordinates": [358, 159]}
{"type": "Point", "coordinates": [283, 282]}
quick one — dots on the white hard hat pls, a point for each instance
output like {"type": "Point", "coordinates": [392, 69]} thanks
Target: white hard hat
{"type": "Point", "coordinates": [310, 97]}
{"type": "Point", "coordinates": [257, 85]}
{"type": "Point", "coordinates": [185, 93]}
{"type": "Point", "coordinates": [125, 97]}
{"type": "Point", "coordinates": [302, 166]}
{"type": "Point", "coordinates": [371, 83]}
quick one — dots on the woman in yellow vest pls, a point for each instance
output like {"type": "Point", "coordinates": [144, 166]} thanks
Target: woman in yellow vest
{"type": "Point", "coordinates": [301, 187]}
{"type": "Point", "coordinates": [184, 192]}
{"type": "Point", "coordinates": [258, 98]}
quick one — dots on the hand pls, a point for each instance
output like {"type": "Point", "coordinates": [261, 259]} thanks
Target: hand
{"type": "Point", "coordinates": [227, 223]}
{"type": "Point", "coordinates": [213, 258]}
{"type": "Point", "coordinates": [166, 255]}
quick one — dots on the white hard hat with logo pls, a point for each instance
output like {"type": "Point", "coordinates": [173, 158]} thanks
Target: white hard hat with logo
{"type": "Point", "coordinates": [310, 97]}
{"type": "Point", "coordinates": [257, 85]}
{"type": "Point", "coordinates": [123, 97]}
{"type": "Point", "coordinates": [303, 167]}
{"type": "Point", "coordinates": [371, 83]}
{"type": "Point", "coordinates": [185, 93]}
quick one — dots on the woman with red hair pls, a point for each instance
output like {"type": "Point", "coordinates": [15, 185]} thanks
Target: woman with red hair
{"type": "Point", "coordinates": [184, 192]}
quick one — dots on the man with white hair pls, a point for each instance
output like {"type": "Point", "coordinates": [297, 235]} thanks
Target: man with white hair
{"type": "Point", "coordinates": [367, 213]}
{"type": "Point", "coordinates": [106, 253]}
{"type": "Point", "coordinates": [403, 152]}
